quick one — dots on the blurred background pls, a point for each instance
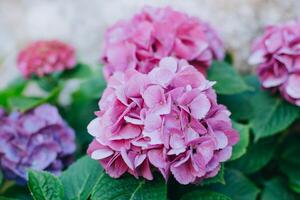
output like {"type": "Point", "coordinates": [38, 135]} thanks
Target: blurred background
{"type": "Point", "coordinates": [83, 22]}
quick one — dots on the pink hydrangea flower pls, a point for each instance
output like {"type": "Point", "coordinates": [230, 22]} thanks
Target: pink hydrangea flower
{"type": "Point", "coordinates": [154, 33]}
{"type": "Point", "coordinates": [45, 57]}
{"type": "Point", "coordinates": [277, 54]}
{"type": "Point", "coordinates": [168, 119]}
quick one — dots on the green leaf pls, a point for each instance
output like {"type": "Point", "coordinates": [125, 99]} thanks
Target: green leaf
{"type": "Point", "coordinates": [219, 178]}
{"type": "Point", "coordinates": [228, 80]}
{"type": "Point", "coordinates": [271, 115]}
{"type": "Point", "coordinates": [257, 156]}
{"type": "Point", "coordinates": [129, 187]}
{"type": "Point", "coordinates": [44, 186]}
{"type": "Point", "coordinates": [79, 179]}
{"type": "Point", "coordinates": [91, 88]}
{"type": "Point", "coordinates": [237, 187]}
{"type": "Point", "coordinates": [80, 71]}
{"type": "Point", "coordinates": [24, 104]}
{"type": "Point", "coordinates": [13, 89]}
{"type": "Point", "coordinates": [289, 162]}
{"type": "Point", "coordinates": [276, 189]}
{"type": "Point", "coordinates": [205, 195]}
{"type": "Point", "coordinates": [241, 147]}
{"type": "Point", "coordinates": [240, 105]}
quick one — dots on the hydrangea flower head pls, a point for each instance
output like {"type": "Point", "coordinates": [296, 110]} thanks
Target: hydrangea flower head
{"type": "Point", "coordinates": [45, 57]}
{"type": "Point", "coordinates": [38, 139]}
{"type": "Point", "coordinates": [277, 54]}
{"type": "Point", "coordinates": [168, 119]}
{"type": "Point", "coordinates": [154, 33]}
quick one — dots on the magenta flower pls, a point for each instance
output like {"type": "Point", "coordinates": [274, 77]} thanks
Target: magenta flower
{"type": "Point", "coordinates": [45, 57]}
{"type": "Point", "coordinates": [156, 33]}
{"type": "Point", "coordinates": [277, 54]}
{"type": "Point", "coordinates": [38, 139]}
{"type": "Point", "coordinates": [168, 119]}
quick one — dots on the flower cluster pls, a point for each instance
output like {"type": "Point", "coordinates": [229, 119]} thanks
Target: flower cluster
{"type": "Point", "coordinates": [168, 119]}
{"type": "Point", "coordinates": [156, 33]}
{"type": "Point", "coordinates": [277, 54]}
{"type": "Point", "coordinates": [45, 57]}
{"type": "Point", "coordinates": [38, 139]}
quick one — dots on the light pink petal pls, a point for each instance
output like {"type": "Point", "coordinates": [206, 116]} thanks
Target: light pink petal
{"type": "Point", "coordinates": [200, 106]}
{"type": "Point", "coordinates": [182, 173]}
{"type": "Point", "coordinates": [126, 159]}
{"type": "Point", "coordinates": [127, 132]}
{"type": "Point", "coordinates": [101, 153]}
{"type": "Point", "coordinates": [169, 63]}
{"type": "Point", "coordinates": [293, 86]}
{"type": "Point", "coordinates": [139, 159]}
{"type": "Point", "coordinates": [152, 122]}
{"type": "Point", "coordinates": [257, 57]}
{"type": "Point", "coordinates": [274, 42]}
{"type": "Point", "coordinates": [154, 95]}
{"type": "Point", "coordinates": [156, 158]}
{"type": "Point", "coordinates": [221, 139]}
{"type": "Point", "coordinates": [133, 120]}
{"type": "Point", "coordinates": [94, 128]}
{"type": "Point", "coordinates": [206, 149]}
{"type": "Point", "coordinates": [224, 154]}
{"type": "Point", "coordinates": [155, 137]}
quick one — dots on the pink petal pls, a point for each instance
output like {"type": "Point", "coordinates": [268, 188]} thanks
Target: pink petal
{"type": "Point", "coordinates": [101, 153]}
{"type": "Point", "coordinates": [139, 159]}
{"type": "Point", "coordinates": [169, 63]}
{"type": "Point", "coordinates": [126, 159]}
{"type": "Point", "coordinates": [156, 158]}
{"type": "Point", "coordinates": [200, 106]}
{"type": "Point", "coordinates": [152, 122]}
{"type": "Point", "coordinates": [224, 154]}
{"type": "Point", "coordinates": [94, 127]}
{"type": "Point", "coordinates": [221, 138]}
{"type": "Point", "coordinates": [127, 132]}
{"type": "Point", "coordinates": [153, 95]}
{"type": "Point", "coordinates": [293, 86]}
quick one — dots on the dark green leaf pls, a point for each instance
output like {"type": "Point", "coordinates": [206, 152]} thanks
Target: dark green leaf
{"type": "Point", "coordinates": [128, 187]}
{"type": "Point", "coordinates": [271, 115]}
{"type": "Point", "coordinates": [228, 80]}
{"type": "Point", "coordinates": [80, 178]}
{"type": "Point", "coordinates": [78, 72]}
{"type": "Point", "coordinates": [237, 186]}
{"type": "Point", "coordinates": [44, 186]}
{"type": "Point", "coordinates": [257, 156]}
{"type": "Point", "coordinates": [276, 189]}
{"type": "Point", "coordinates": [11, 190]}
{"type": "Point", "coordinates": [241, 147]}
{"type": "Point", "coordinates": [7, 198]}
{"type": "Point", "coordinates": [240, 105]}
{"type": "Point", "coordinates": [205, 195]}
{"type": "Point", "coordinates": [290, 162]}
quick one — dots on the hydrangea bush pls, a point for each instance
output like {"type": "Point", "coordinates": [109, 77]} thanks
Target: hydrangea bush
{"type": "Point", "coordinates": [170, 119]}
